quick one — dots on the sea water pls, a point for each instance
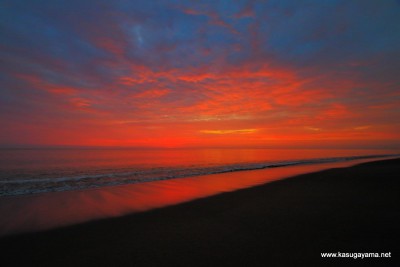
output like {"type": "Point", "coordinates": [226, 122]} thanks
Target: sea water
{"type": "Point", "coordinates": [49, 188]}
{"type": "Point", "coordinates": [31, 171]}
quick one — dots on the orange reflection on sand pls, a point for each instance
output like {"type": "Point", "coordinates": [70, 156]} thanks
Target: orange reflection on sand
{"type": "Point", "coordinates": [50, 210]}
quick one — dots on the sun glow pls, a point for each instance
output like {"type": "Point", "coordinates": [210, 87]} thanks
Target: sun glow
{"type": "Point", "coordinates": [199, 75]}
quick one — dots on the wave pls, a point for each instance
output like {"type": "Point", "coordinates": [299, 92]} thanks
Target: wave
{"type": "Point", "coordinates": [13, 187]}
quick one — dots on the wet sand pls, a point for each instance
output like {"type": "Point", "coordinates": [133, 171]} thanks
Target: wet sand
{"type": "Point", "coordinates": [284, 223]}
{"type": "Point", "coordinates": [44, 211]}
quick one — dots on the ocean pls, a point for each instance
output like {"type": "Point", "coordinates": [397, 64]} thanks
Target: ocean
{"type": "Point", "coordinates": [32, 171]}
{"type": "Point", "coordinates": [42, 189]}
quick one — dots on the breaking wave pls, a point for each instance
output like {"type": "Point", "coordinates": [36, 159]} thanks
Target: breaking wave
{"type": "Point", "coordinates": [13, 186]}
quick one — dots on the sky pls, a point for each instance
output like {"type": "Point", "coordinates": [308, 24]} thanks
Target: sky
{"type": "Point", "coordinates": [248, 73]}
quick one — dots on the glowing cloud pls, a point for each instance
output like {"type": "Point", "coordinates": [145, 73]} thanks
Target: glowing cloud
{"type": "Point", "coordinates": [238, 131]}
{"type": "Point", "coordinates": [200, 73]}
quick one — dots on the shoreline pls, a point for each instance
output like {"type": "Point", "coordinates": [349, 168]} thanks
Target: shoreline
{"type": "Point", "coordinates": [282, 223]}
{"type": "Point", "coordinates": [32, 186]}
{"type": "Point", "coordinates": [40, 212]}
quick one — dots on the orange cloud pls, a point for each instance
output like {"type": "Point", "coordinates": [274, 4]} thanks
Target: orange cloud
{"type": "Point", "coordinates": [237, 131]}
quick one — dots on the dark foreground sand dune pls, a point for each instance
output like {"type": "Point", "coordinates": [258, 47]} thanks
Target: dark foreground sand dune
{"type": "Point", "coordinates": [284, 223]}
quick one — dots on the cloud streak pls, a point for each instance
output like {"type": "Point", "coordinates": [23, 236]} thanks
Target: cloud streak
{"type": "Point", "coordinates": [237, 131]}
{"type": "Point", "coordinates": [143, 73]}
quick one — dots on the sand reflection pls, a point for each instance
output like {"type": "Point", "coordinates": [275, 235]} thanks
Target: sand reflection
{"type": "Point", "coordinates": [50, 210]}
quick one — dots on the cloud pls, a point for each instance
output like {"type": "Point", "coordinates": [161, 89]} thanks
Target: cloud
{"type": "Point", "coordinates": [237, 131]}
{"type": "Point", "coordinates": [135, 71]}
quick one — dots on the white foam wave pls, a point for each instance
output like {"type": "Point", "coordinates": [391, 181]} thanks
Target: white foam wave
{"type": "Point", "coordinates": [12, 187]}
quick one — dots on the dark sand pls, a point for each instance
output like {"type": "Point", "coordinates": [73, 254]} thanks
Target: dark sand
{"type": "Point", "coordinates": [283, 223]}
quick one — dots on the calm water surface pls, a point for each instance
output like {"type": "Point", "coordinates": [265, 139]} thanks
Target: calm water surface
{"type": "Point", "coordinates": [45, 170]}
{"type": "Point", "coordinates": [44, 189]}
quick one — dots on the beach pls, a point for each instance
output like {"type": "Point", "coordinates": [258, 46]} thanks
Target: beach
{"type": "Point", "coordinates": [287, 222]}
{"type": "Point", "coordinates": [199, 133]}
